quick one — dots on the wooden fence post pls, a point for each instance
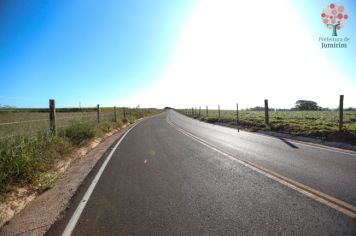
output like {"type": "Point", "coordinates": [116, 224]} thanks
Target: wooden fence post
{"type": "Point", "coordinates": [266, 112]}
{"type": "Point", "coordinates": [98, 113]}
{"type": "Point", "coordinates": [207, 112]}
{"type": "Point", "coordinates": [341, 112]}
{"type": "Point", "coordinates": [52, 115]}
{"type": "Point", "coordinates": [219, 111]}
{"type": "Point", "coordinates": [199, 110]}
{"type": "Point", "coordinates": [124, 112]}
{"type": "Point", "coordinates": [115, 115]}
{"type": "Point", "coordinates": [192, 111]}
{"type": "Point", "coordinates": [237, 113]}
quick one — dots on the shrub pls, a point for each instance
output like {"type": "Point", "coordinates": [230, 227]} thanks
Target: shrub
{"type": "Point", "coordinates": [105, 127]}
{"type": "Point", "coordinates": [79, 133]}
{"type": "Point", "coordinates": [212, 120]}
{"type": "Point", "coordinates": [24, 158]}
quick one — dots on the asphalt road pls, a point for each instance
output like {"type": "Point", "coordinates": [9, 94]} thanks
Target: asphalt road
{"type": "Point", "coordinates": [172, 175]}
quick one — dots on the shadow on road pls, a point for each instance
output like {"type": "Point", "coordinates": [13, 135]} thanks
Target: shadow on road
{"type": "Point", "coordinates": [288, 143]}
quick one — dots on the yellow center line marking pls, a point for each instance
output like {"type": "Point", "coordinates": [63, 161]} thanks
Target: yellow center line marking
{"type": "Point", "coordinates": [145, 162]}
{"type": "Point", "coordinates": [337, 204]}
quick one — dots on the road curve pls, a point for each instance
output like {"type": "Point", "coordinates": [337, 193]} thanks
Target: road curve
{"type": "Point", "coordinates": [166, 178]}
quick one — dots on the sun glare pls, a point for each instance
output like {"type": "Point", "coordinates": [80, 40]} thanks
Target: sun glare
{"type": "Point", "coordinates": [243, 51]}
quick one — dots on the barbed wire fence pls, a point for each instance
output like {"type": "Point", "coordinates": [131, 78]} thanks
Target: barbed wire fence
{"type": "Point", "coordinates": [15, 122]}
{"type": "Point", "coordinates": [197, 112]}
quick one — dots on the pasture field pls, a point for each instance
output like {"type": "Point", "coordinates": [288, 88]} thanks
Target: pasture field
{"type": "Point", "coordinates": [319, 124]}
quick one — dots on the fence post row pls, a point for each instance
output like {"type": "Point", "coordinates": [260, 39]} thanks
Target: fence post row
{"type": "Point", "coordinates": [237, 113]}
{"type": "Point", "coordinates": [341, 112]}
{"type": "Point", "coordinates": [115, 116]}
{"type": "Point", "coordinates": [219, 111]}
{"type": "Point", "coordinates": [266, 112]}
{"type": "Point", "coordinates": [53, 121]}
{"type": "Point", "coordinates": [52, 115]}
{"type": "Point", "coordinates": [98, 113]}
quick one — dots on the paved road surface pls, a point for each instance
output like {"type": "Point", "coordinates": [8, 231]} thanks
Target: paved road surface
{"type": "Point", "coordinates": [172, 175]}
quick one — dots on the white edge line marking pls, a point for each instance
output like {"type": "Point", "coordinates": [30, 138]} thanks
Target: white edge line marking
{"type": "Point", "coordinates": [313, 145]}
{"type": "Point", "coordinates": [261, 171]}
{"type": "Point", "coordinates": [75, 217]}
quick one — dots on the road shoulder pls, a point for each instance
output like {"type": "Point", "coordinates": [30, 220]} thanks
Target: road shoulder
{"type": "Point", "coordinates": [38, 216]}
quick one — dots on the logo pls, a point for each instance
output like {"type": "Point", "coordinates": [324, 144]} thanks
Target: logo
{"type": "Point", "coordinates": [334, 18]}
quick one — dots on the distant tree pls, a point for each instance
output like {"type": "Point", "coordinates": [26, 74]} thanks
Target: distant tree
{"type": "Point", "coordinates": [305, 105]}
{"type": "Point", "coordinates": [258, 108]}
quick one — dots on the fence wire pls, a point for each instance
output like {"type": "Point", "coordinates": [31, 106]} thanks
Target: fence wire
{"type": "Point", "coordinates": [24, 122]}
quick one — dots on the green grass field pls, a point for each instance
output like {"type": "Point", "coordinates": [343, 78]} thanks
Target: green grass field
{"type": "Point", "coordinates": [318, 124]}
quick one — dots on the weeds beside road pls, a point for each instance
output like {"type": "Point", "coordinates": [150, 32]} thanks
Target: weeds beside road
{"type": "Point", "coordinates": [316, 124]}
{"type": "Point", "coordinates": [27, 154]}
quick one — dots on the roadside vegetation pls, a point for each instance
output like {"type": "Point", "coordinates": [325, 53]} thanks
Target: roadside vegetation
{"type": "Point", "coordinates": [321, 124]}
{"type": "Point", "coordinates": [28, 150]}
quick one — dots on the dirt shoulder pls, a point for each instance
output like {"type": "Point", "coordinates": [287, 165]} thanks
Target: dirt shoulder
{"type": "Point", "coordinates": [27, 213]}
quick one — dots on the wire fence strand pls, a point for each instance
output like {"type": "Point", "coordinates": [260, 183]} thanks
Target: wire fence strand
{"type": "Point", "coordinates": [13, 123]}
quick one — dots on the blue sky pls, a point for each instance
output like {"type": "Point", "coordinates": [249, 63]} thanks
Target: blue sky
{"type": "Point", "coordinates": [83, 50]}
{"type": "Point", "coordinates": [179, 53]}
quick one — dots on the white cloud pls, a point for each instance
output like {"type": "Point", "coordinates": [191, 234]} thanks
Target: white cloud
{"type": "Point", "coordinates": [242, 51]}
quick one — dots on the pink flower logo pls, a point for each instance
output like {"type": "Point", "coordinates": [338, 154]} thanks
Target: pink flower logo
{"type": "Point", "coordinates": [334, 17]}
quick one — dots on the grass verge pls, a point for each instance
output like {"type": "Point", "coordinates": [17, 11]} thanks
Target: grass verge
{"type": "Point", "coordinates": [26, 159]}
{"type": "Point", "coordinates": [322, 125]}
